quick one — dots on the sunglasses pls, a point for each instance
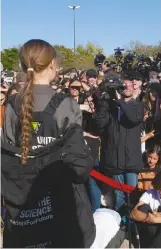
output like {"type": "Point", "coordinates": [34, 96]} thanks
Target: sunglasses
{"type": "Point", "coordinates": [136, 79]}
{"type": "Point", "coordinates": [92, 77]}
{"type": "Point", "coordinates": [75, 88]}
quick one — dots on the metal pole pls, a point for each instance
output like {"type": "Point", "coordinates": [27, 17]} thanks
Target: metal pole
{"type": "Point", "coordinates": [74, 27]}
{"type": "Point", "coordinates": [74, 7]}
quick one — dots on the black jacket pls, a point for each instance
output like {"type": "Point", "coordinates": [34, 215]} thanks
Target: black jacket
{"type": "Point", "coordinates": [120, 135]}
{"type": "Point", "coordinates": [47, 203]}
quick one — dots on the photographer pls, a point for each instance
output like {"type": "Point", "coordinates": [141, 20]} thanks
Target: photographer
{"type": "Point", "coordinates": [152, 98]}
{"type": "Point", "coordinates": [106, 68]}
{"type": "Point", "coordinates": [92, 78]}
{"type": "Point", "coordinates": [119, 122]}
{"type": "Point", "coordinates": [3, 92]}
{"type": "Point", "coordinates": [137, 83]}
{"type": "Point", "coordinates": [159, 77]}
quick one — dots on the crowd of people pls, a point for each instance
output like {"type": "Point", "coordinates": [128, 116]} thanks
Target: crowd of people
{"type": "Point", "coordinates": [58, 125]}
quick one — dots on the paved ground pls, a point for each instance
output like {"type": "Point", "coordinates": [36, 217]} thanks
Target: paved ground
{"type": "Point", "coordinates": [125, 244]}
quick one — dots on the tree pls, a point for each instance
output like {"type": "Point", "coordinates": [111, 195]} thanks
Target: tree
{"type": "Point", "coordinates": [66, 56]}
{"type": "Point", "coordinates": [140, 48]}
{"type": "Point", "coordinates": [82, 59]}
{"type": "Point", "coordinates": [9, 58]}
{"type": "Point", "coordinates": [84, 56]}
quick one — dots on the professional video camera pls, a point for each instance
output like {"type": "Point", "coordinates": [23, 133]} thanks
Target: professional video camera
{"type": "Point", "coordinates": [112, 84]}
{"type": "Point", "coordinates": [98, 61]}
{"type": "Point", "coordinates": [158, 61]}
{"type": "Point", "coordinates": [128, 61]}
{"type": "Point", "coordinates": [118, 53]}
{"type": "Point", "coordinates": [118, 56]}
{"type": "Point", "coordinates": [144, 65]}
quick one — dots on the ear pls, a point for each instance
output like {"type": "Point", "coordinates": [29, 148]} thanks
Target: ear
{"type": "Point", "coordinates": [52, 65]}
{"type": "Point", "coordinates": [140, 83]}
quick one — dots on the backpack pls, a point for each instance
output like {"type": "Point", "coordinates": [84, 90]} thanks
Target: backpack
{"type": "Point", "coordinates": [44, 128]}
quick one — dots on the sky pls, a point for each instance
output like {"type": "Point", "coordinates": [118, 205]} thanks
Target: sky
{"type": "Point", "coordinates": [107, 23]}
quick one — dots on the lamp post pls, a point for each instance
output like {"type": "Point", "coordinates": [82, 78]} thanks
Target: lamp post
{"type": "Point", "coordinates": [74, 7]}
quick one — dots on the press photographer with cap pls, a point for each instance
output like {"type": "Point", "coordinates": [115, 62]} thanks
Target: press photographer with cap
{"type": "Point", "coordinates": [137, 80]}
{"type": "Point", "coordinates": [92, 78]}
{"type": "Point", "coordinates": [119, 122]}
{"type": "Point", "coordinates": [106, 68]}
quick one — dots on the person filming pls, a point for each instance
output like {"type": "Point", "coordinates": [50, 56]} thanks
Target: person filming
{"type": "Point", "coordinates": [119, 122]}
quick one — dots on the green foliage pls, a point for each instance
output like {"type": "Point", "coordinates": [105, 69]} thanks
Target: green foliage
{"type": "Point", "coordinates": [9, 58]}
{"type": "Point", "coordinates": [140, 48]}
{"type": "Point", "coordinates": [83, 57]}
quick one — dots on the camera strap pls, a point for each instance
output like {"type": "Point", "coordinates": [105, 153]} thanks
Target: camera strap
{"type": "Point", "coordinates": [118, 113]}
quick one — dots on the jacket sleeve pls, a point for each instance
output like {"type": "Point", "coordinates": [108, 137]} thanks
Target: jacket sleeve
{"type": "Point", "coordinates": [76, 157]}
{"type": "Point", "coordinates": [102, 114]}
{"type": "Point", "coordinates": [134, 111]}
{"type": "Point", "coordinates": [8, 130]}
{"type": "Point", "coordinates": [66, 114]}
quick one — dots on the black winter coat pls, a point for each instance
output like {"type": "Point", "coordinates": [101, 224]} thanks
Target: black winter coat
{"type": "Point", "coordinates": [120, 135]}
{"type": "Point", "coordinates": [47, 203]}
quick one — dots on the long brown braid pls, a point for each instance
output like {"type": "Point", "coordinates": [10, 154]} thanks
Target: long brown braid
{"type": "Point", "coordinates": [35, 56]}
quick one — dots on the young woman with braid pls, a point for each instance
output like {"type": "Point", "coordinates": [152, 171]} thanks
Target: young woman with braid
{"type": "Point", "coordinates": [45, 164]}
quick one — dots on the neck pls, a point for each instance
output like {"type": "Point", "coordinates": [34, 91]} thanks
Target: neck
{"type": "Point", "coordinates": [136, 93]}
{"type": "Point", "coordinates": [75, 98]}
{"type": "Point", "coordinates": [41, 82]}
{"type": "Point", "coordinates": [127, 99]}
{"type": "Point", "coordinates": [41, 79]}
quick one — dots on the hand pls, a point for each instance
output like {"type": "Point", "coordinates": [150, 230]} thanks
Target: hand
{"type": "Point", "coordinates": [151, 134]}
{"type": "Point", "coordinates": [92, 108]}
{"type": "Point", "coordinates": [152, 219]}
{"type": "Point", "coordinates": [86, 134]}
{"type": "Point", "coordinates": [157, 214]}
{"type": "Point", "coordinates": [2, 89]}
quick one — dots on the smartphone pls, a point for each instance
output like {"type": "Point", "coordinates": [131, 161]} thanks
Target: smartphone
{"type": "Point", "coordinates": [145, 208]}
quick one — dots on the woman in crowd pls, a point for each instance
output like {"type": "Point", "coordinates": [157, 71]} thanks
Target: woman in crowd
{"type": "Point", "coordinates": [46, 200]}
{"type": "Point", "coordinates": [153, 161]}
{"type": "Point", "coordinates": [148, 215]}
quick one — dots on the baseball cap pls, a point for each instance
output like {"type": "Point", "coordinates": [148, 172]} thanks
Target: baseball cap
{"type": "Point", "coordinates": [91, 73]}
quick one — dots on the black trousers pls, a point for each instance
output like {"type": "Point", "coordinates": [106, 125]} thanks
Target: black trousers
{"type": "Point", "coordinates": [150, 234]}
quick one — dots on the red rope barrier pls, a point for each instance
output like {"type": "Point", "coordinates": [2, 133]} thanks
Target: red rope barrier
{"type": "Point", "coordinates": [115, 184]}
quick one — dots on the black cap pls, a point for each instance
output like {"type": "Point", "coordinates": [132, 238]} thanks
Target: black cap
{"type": "Point", "coordinates": [136, 75]}
{"type": "Point", "coordinates": [131, 75]}
{"type": "Point", "coordinates": [91, 73]}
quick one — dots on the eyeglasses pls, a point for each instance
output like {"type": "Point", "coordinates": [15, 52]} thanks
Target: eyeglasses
{"type": "Point", "coordinates": [75, 88]}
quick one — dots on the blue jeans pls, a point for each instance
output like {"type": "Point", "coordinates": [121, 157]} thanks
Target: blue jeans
{"type": "Point", "coordinates": [95, 194]}
{"type": "Point", "coordinates": [127, 178]}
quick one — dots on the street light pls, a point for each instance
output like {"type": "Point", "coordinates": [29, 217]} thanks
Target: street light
{"type": "Point", "coordinates": [74, 7]}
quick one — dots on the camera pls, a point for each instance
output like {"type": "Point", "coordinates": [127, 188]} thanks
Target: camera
{"type": "Point", "coordinates": [158, 62]}
{"type": "Point", "coordinates": [98, 60]}
{"type": "Point", "coordinates": [118, 53]}
{"type": "Point", "coordinates": [128, 61]}
{"type": "Point", "coordinates": [113, 84]}
{"type": "Point", "coordinates": [129, 58]}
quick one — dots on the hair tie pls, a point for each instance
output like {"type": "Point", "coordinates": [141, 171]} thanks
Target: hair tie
{"type": "Point", "coordinates": [30, 69]}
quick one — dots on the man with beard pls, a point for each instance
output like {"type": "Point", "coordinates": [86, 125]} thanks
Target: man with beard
{"type": "Point", "coordinates": [119, 122]}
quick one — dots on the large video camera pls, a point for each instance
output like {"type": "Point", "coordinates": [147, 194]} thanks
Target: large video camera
{"type": "Point", "coordinates": [158, 61]}
{"type": "Point", "coordinates": [112, 84]}
{"type": "Point", "coordinates": [118, 53]}
{"type": "Point", "coordinates": [98, 61]}
{"type": "Point", "coordinates": [128, 60]}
